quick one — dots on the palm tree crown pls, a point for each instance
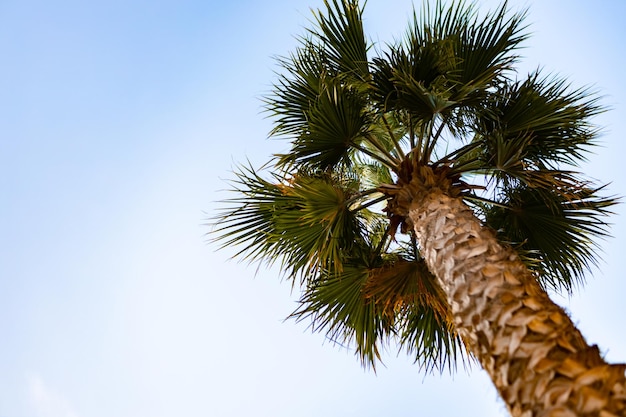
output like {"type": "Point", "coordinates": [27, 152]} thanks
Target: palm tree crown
{"type": "Point", "coordinates": [443, 107]}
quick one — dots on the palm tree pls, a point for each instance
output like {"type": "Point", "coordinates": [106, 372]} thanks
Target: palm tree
{"type": "Point", "coordinates": [430, 199]}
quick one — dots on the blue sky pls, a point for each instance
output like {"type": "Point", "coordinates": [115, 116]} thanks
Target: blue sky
{"type": "Point", "coordinates": [119, 122]}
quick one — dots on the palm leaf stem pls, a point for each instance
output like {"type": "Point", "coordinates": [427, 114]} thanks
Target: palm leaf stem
{"type": "Point", "coordinates": [370, 203]}
{"type": "Point", "coordinates": [375, 143]}
{"type": "Point", "coordinates": [474, 197]}
{"type": "Point", "coordinates": [419, 146]}
{"type": "Point", "coordinates": [414, 246]}
{"type": "Point", "coordinates": [360, 195]}
{"type": "Point", "coordinates": [389, 164]}
{"type": "Point", "coordinates": [465, 149]}
{"type": "Point", "coordinates": [411, 133]}
{"type": "Point", "coordinates": [396, 142]}
{"type": "Point", "coordinates": [379, 248]}
{"type": "Point", "coordinates": [464, 166]}
{"type": "Point", "coordinates": [416, 148]}
{"type": "Point", "coordinates": [432, 142]}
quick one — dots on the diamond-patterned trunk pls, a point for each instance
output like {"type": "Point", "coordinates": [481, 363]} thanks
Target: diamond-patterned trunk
{"type": "Point", "coordinates": [537, 359]}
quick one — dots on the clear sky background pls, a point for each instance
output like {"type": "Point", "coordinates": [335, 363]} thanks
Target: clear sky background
{"type": "Point", "coordinates": [119, 122]}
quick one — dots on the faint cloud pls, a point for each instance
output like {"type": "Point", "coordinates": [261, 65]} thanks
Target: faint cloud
{"type": "Point", "coordinates": [45, 401]}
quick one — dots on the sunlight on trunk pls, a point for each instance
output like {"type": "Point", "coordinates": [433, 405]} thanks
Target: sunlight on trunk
{"type": "Point", "coordinates": [537, 359]}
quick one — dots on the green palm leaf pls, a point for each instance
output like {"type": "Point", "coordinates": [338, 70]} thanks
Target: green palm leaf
{"type": "Point", "coordinates": [450, 58]}
{"type": "Point", "coordinates": [297, 89]}
{"type": "Point", "coordinates": [335, 303]}
{"type": "Point", "coordinates": [335, 125]}
{"type": "Point", "coordinates": [342, 35]}
{"type": "Point", "coordinates": [374, 306]}
{"type": "Point", "coordinates": [303, 219]}
{"type": "Point", "coordinates": [555, 228]}
{"type": "Point", "coordinates": [486, 51]}
{"type": "Point", "coordinates": [543, 119]}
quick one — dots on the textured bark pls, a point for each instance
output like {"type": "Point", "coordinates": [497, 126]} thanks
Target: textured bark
{"type": "Point", "coordinates": [536, 357]}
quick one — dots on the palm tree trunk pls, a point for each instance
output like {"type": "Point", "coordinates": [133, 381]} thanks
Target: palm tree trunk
{"type": "Point", "coordinates": [536, 357]}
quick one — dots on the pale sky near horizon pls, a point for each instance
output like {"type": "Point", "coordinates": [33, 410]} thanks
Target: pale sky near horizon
{"type": "Point", "coordinates": [119, 121]}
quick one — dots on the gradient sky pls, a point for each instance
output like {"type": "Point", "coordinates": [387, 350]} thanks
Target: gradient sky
{"type": "Point", "coordinates": [119, 121]}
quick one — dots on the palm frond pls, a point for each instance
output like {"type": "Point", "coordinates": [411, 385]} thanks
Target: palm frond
{"type": "Point", "coordinates": [302, 220]}
{"type": "Point", "coordinates": [400, 282]}
{"type": "Point", "coordinates": [543, 118]}
{"type": "Point", "coordinates": [450, 58]}
{"type": "Point", "coordinates": [247, 220]}
{"type": "Point", "coordinates": [319, 102]}
{"type": "Point", "coordinates": [335, 304]}
{"type": "Point", "coordinates": [413, 81]}
{"type": "Point", "coordinates": [343, 38]}
{"type": "Point", "coordinates": [485, 48]}
{"type": "Point", "coordinates": [430, 339]}
{"type": "Point", "coordinates": [369, 307]}
{"type": "Point", "coordinates": [297, 88]}
{"type": "Point", "coordinates": [335, 125]}
{"type": "Point", "coordinates": [557, 229]}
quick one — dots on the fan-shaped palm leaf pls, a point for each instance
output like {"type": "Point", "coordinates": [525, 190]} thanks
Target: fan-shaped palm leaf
{"type": "Point", "coordinates": [555, 227]}
{"type": "Point", "coordinates": [342, 35]}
